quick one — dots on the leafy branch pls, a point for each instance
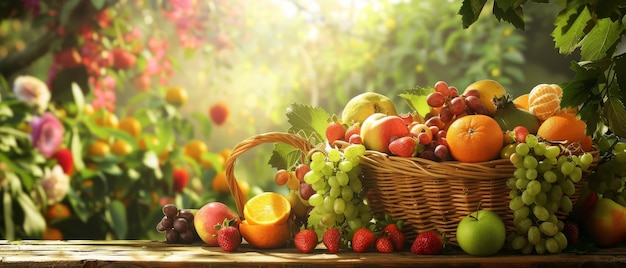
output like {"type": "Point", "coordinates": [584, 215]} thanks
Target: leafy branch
{"type": "Point", "coordinates": [595, 28]}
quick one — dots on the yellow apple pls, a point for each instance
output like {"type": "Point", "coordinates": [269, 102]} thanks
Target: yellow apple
{"type": "Point", "coordinates": [366, 104]}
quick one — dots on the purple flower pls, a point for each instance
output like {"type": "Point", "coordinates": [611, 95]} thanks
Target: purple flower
{"type": "Point", "coordinates": [47, 134]}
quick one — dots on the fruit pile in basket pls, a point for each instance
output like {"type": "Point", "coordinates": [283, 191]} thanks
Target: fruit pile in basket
{"type": "Point", "coordinates": [327, 204]}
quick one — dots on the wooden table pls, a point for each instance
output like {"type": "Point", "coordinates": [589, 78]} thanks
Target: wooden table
{"type": "Point", "coordinates": [125, 253]}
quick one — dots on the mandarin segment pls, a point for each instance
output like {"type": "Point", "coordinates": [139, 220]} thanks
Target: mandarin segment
{"type": "Point", "coordinates": [544, 100]}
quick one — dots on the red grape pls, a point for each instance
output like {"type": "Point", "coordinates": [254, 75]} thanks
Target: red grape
{"type": "Point", "coordinates": [457, 105]}
{"type": "Point", "coordinates": [454, 92]}
{"type": "Point", "coordinates": [446, 114]}
{"type": "Point", "coordinates": [473, 103]}
{"type": "Point", "coordinates": [306, 190]}
{"type": "Point", "coordinates": [428, 154]}
{"type": "Point", "coordinates": [301, 170]}
{"type": "Point", "coordinates": [442, 87]}
{"type": "Point", "coordinates": [441, 151]}
{"type": "Point", "coordinates": [181, 225]}
{"type": "Point", "coordinates": [472, 92]}
{"type": "Point", "coordinates": [167, 222]}
{"type": "Point", "coordinates": [170, 210]}
{"type": "Point", "coordinates": [435, 99]}
{"type": "Point", "coordinates": [435, 121]}
{"type": "Point", "coordinates": [424, 138]}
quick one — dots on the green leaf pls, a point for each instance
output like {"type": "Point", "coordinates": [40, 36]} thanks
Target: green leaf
{"type": "Point", "coordinates": [615, 113]}
{"type": "Point", "coordinates": [98, 4]}
{"type": "Point", "coordinates": [515, 16]}
{"type": "Point", "coordinates": [602, 37]}
{"type": "Point", "coordinates": [416, 99]}
{"type": "Point", "coordinates": [620, 72]}
{"type": "Point", "coordinates": [34, 223]}
{"type": "Point", "coordinates": [9, 225]}
{"type": "Point", "coordinates": [578, 90]}
{"type": "Point", "coordinates": [506, 4]}
{"type": "Point", "coordinates": [567, 35]}
{"type": "Point", "coordinates": [311, 121]}
{"type": "Point", "coordinates": [76, 149]}
{"type": "Point", "coordinates": [514, 56]}
{"type": "Point", "coordinates": [79, 98]}
{"type": "Point", "coordinates": [116, 216]}
{"type": "Point", "coordinates": [67, 9]}
{"type": "Point", "coordinates": [78, 206]}
{"type": "Point", "coordinates": [470, 11]}
{"type": "Point", "coordinates": [284, 156]}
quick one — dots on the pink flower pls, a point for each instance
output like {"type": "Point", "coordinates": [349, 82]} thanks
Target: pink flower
{"type": "Point", "coordinates": [47, 134]}
{"type": "Point", "coordinates": [32, 91]}
{"type": "Point", "coordinates": [55, 184]}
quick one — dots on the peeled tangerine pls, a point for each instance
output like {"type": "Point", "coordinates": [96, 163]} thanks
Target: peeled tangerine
{"type": "Point", "coordinates": [544, 100]}
{"type": "Point", "coordinates": [565, 127]}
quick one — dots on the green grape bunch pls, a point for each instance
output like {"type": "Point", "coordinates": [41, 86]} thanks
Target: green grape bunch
{"type": "Point", "coordinates": [339, 199]}
{"type": "Point", "coordinates": [609, 178]}
{"type": "Point", "coordinates": [542, 185]}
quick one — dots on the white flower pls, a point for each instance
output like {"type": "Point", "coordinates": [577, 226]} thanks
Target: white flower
{"type": "Point", "coordinates": [55, 183]}
{"type": "Point", "coordinates": [32, 91]}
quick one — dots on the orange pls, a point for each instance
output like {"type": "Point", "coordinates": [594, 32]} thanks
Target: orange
{"type": "Point", "coordinates": [105, 118]}
{"type": "Point", "coordinates": [52, 233]}
{"type": "Point", "coordinates": [267, 208]}
{"type": "Point", "coordinates": [98, 149]}
{"type": "Point", "coordinates": [521, 102]}
{"type": "Point", "coordinates": [219, 183]}
{"type": "Point", "coordinates": [146, 141]}
{"type": "Point", "coordinates": [131, 126]}
{"type": "Point", "coordinates": [57, 211]}
{"type": "Point", "coordinates": [121, 148]}
{"type": "Point", "coordinates": [176, 96]}
{"type": "Point", "coordinates": [88, 109]}
{"type": "Point", "coordinates": [225, 153]}
{"type": "Point", "coordinates": [265, 236]}
{"type": "Point", "coordinates": [475, 138]}
{"type": "Point", "coordinates": [488, 89]}
{"type": "Point", "coordinates": [195, 149]}
{"type": "Point", "coordinates": [565, 127]}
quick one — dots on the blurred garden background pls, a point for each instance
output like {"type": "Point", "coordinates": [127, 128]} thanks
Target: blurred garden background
{"type": "Point", "coordinates": [152, 94]}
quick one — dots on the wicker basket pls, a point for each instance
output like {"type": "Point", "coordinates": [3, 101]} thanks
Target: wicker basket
{"type": "Point", "coordinates": [424, 194]}
{"type": "Point", "coordinates": [429, 195]}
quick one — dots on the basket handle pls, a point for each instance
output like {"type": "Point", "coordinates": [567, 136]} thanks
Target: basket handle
{"type": "Point", "coordinates": [271, 137]}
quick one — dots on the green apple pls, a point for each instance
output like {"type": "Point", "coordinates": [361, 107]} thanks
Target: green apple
{"type": "Point", "coordinates": [482, 233]}
{"type": "Point", "coordinates": [606, 223]}
{"type": "Point", "coordinates": [378, 130]}
{"type": "Point", "coordinates": [365, 104]}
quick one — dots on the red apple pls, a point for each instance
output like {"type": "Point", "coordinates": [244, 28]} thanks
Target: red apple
{"type": "Point", "coordinates": [606, 224]}
{"type": "Point", "coordinates": [208, 216]}
{"type": "Point", "coordinates": [378, 130]}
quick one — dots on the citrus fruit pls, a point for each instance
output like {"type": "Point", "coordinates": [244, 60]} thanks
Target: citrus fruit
{"type": "Point", "coordinates": [488, 89]}
{"type": "Point", "coordinates": [121, 148]}
{"type": "Point", "coordinates": [176, 96]}
{"type": "Point", "coordinates": [521, 102]}
{"type": "Point", "coordinates": [219, 184]}
{"type": "Point", "coordinates": [267, 208]}
{"type": "Point", "coordinates": [565, 127]}
{"type": "Point", "coordinates": [544, 100]}
{"type": "Point", "coordinates": [57, 211]}
{"type": "Point", "coordinates": [105, 118]}
{"type": "Point", "coordinates": [148, 141]}
{"type": "Point", "coordinates": [265, 235]}
{"type": "Point", "coordinates": [475, 138]}
{"type": "Point", "coordinates": [131, 126]}
{"type": "Point", "coordinates": [195, 149]}
{"type": "Point", "coordinates": [52, 233]}
{"type": "Point", "coordinates": [98, 149]}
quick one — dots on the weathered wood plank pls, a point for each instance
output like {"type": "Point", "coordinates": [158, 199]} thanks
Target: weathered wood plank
{"type": "Point", "coordinates": [114, 253]}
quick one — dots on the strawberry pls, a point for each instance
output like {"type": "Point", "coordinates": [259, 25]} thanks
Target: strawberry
{"type": "Point", "coordinates": [363, 239]}
{"type": "Point", "coordinates": [332, 240]}
{"type": "Point", "coordinates": [395, 235]}
{"type": "Point", "coordinates": [65, 160]}
{"type": "Point", "coordinates": [428, 243]}
{"type": "Point", "coordinates": [571, 232]}
{"type": "Point", "coordinates": [353, 129]}
{"type": "Point", "coordinates": [404, 146]}
{"type": "Point", "coordinates": [305, 240]}
{"type": "Point", "coordinates": [335, 131]}
{"type": "Point", "coordinates": [219, 113]}
{"type": "Point", "coordinates": [384, 245]}
{"type": "Point", "coordinates": [228, 236]}
{"type": "Point", "coordinates": [180, 177]}
{"type": "Point", "coordinates": [67, 59]}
